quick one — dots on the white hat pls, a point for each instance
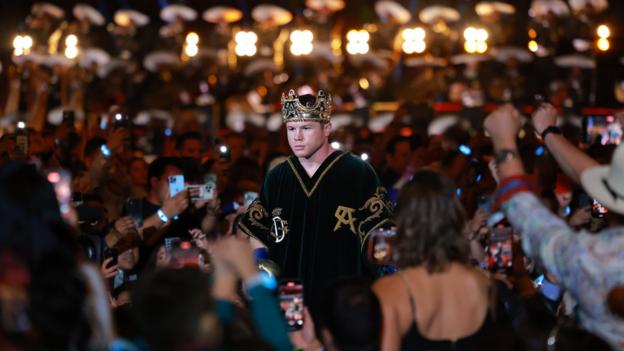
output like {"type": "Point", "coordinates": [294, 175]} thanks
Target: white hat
{"type": "Point", "coordinates": [440, 124]}
{"type": "Point", "coordinates": [468, 58]}
{"type": "Point", "coordinates": [341, 120]}
{"type": "Point", "coordinates": [172, 12]}
{"type": "Point", "coordinates": [87, 12]}
{"type": "Point", "coordinates": [259, 65]}
{"type": "Point", "coordinates": [222, 14]}
{"type": "Point", "coordinates": [272, 14]}
{"type": "Point", "coordinates": [377, 59]}
{"type": "Point", "coordinates": [580, 61]}
{"type": "Point", "coordinates": [155, 59]}
{"type": "Point", "coordinates": [596, 5]}
{"type": "Point", "coordinates": [127, 17]}
{"type": "Point", "coordinates": [392, 10]}
{"type": "Point", "coordinates": [57, 60]}
{"type": "Point", "coordinates": [31, 57]}
{"type": "Point", "coordinates": [606, 183]}
{"type": "Point", "coordinates": [432, 14]}
{"type": "Point", "coordinates": [92, 56]}
{"type": "Point", "coordinates": [45, 8]}
{"type": "Point", "coordinates": [327, 5]}
{"type": "Point", "coordinates": [504, 53]}
{"type": "Point", "coordinates": [111, 66]}
{"type": "Point", "coordinates": [170, 30]}
{"type": "Point", "coordinates": [425, 61]}
{"type": "Point", "coordinates": [540, 8]}
{"type": "Point", "coordinates": [380, 122]}
{"type": "Point", "coordinates": [486, 8]}
{"type": "Point", "coordinates": [581, 44]}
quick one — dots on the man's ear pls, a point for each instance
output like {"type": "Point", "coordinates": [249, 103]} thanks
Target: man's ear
{"type": "Point", "coordinates": [327, 128]}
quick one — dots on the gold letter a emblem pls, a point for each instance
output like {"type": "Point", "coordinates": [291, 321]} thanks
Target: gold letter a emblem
{"type": "Point", "coordinates": [345, 216]}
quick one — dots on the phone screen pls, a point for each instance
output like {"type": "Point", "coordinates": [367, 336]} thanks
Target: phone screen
{"type": "Point", "coordinates": [176, 184]}
{"type": "Point", "coordinates": [499, 249]}
{"type": "Point", "coordinates": [250, 196]}
{"type": "Point", "coordinates": [603, 129]}
{"type": "Point", "coordinates": [134, 209]}
{"type": "Point", "coordinates": [380, 247]}
{"type": "Point", "coordinates": [291, 303]}
{"type": "Point", "coordinates": [61, 179]}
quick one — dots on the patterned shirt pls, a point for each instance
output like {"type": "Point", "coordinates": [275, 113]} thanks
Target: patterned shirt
{"type": "Point", "coordinates": [587, 265]}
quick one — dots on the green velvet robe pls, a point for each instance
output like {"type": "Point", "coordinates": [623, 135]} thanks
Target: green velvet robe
{"type": "Point", "coordinates": [316, 229]}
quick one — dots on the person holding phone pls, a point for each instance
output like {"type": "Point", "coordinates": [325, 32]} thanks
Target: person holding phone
{"type": "Point", "coordinates": [317, 209]}
{"type": "Point", "coordinates": [588, 266]}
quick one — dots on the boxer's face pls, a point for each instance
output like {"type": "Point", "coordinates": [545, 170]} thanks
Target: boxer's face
{"type": "Point", "coordinates": [306, 137]}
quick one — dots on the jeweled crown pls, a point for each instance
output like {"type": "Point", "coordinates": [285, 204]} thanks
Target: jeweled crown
{"type": "Point", "coordinates": [294, 110]}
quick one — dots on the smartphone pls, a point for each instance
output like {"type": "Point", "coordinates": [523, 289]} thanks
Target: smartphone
{"type": "Point", "coordinates": [103, 122]}
{"type": "Point", "coordinates": [61, 180]}
{"type": "Point", "coordinates": [250, 196]}
{"type": "Point", "coordinates": [176, 184]}
{"type": "Point", "coordinates": [291, 303]}
{"type": "Point", "coordinates": [185, 254]}
{"type": "Point", "coordinates": [485, 203]}
{"type": "Point", "coordinates": [603, 129]}
{"type": "Point", "coordinates": [170, 243]}
{"type": "Point", "coordinates": [549, 290]}
{"type": "Point", "coordinates": [110, 253]}
{"type": "Point", "coordinates": [380, 247]}
{"type": "Point", "coordinates": [204, 191]}
{"type": "Point", "coordinates": [598, 210]}
{"type": "Point", "coordinates": [134, 209]}
{"type": "Point", "coordinates": [499, 249]}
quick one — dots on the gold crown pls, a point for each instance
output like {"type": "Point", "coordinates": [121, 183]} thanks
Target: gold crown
{"type": "Point", "coordinates": [294, 110]}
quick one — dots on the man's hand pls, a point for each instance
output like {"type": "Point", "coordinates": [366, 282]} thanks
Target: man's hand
{"type": "Point", "coordinates": [173, 206]}
{"type": "Point", "coordinates": [580, 217]}
{"type": "Point", "coordinates": [306, 337]}
{"type": "Point", "coordinates": [199, 238]}
{"type": "Point", "coordinates": [116, 140]}
{"type": "Point", "coordinates": [544, 117]}
{"type": "Point", "coordinates": [503, 125]}
{"type": "Point", "coordinates": [124, 225]}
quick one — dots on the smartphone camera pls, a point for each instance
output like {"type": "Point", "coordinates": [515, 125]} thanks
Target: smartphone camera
{"type": "Point", "coordinates": [120, 121]}
{"type": "Point", "coordinates": [291, 303]}
{"type": "Point", "coordinates": [224, 152]}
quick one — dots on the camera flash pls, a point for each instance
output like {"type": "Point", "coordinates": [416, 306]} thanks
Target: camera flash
{"type": "Point", "coordinates": [21, 125]}
{"type": "Point", "coordinates": [118, 116]}
{"type": "Point", "coordinates": [364, 156]}
{"type": "Point", "coordinates": [223, 149]}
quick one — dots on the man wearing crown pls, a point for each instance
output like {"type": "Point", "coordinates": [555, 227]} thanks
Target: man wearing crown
{"type": "Point", "coordinates": [316, 209]}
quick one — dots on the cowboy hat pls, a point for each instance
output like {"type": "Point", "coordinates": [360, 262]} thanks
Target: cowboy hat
{"type": "Point", "coordinates": [606, 183]}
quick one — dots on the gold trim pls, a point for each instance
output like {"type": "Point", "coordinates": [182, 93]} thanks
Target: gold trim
{"type": "Point", "coordinates": [373, 228]}
{"type": "Point", "coordinates": [305, 190]}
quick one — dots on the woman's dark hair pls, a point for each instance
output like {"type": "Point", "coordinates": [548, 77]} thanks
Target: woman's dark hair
{"type": "Point", "coordinates": [430, 220]}
{"type": "Point", "coordinates": [352, 314]}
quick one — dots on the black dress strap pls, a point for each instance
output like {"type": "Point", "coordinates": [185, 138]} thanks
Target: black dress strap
{"type": "Point", "coordinates": [410, 294]}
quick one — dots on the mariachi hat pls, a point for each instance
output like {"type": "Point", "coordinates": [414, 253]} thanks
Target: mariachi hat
{"type": "Point", "coordinates": [92, 56]}
{"type": "Point", "coordinates": [505, 53]}
{"type": "Point", "coordinates": [87, 12]}
{"type": "Point", "coordinates": [540, 8]}
{"type": "Point", "coordinates": [579, 61]}
{"type": "Point", "coordinates": [172, 12]}
{"type": "Point", "coordinates": [487, 8]}
{"type": "Point", "coordinates": [45, 8]}
{"type": "Point", "coordinates": [127, 18]}
{"type": "Point", "coordinates": [271, 14]}
{"type": "Point", "coordinates": [606, 183]}
{"type": "Point", "coordinates": [596, 6]}
{"type": "Point", "coordinates": [434, 13]}
{"type": "Point", "coordinates": [318, 111]}
{"type": "Point", "coordinates": [389, 10]}
{"type": "Point", "coordinates": [222, 14]}
{"type": "Point", "coordinates": [327, 5]}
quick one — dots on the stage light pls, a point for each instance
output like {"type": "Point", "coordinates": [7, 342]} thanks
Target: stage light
{"type": "Point", "coordinates": [27, 42]}
{"type": "Point", "coordinates": [533, 46]}
{"type": "Point", "coordinates": [192, 39]}
{"type": "Point", "coordinates": [475, 40]}
{"type": "Point", "coordinates": [603, 31]}
{"type": "Point", "coordinates": [364, 84]}
{"type": "Point", "coordinates": [603, 44]}
{"type": "Point", "coordinates": [357, 42]}
{"type": "Point", "coordinates": [245, 43]}
{"type": "Point", "coordinates": [71, 40]}
{"type": "Point", "coordinates": [301, 42]}
{"type": "Point", "coordinates": [71, 52]}
{"type": "Point", "coordinates": [532, 33]}
{"type": "Point", "coordinates": [413, 40]}
{"type": "Point", "coordinates": [191, 50]}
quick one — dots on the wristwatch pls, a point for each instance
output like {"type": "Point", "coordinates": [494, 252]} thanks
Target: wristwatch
{"type": "Point", "coordinates": [504, 155]}
{"type": "Point", "coordinates": [550, 129]}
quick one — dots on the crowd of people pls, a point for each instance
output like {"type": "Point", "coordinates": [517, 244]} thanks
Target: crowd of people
{"type": "Point", "coordinates": [188, 207]}
{"type": "Point", "coordinates": [505, 240]}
